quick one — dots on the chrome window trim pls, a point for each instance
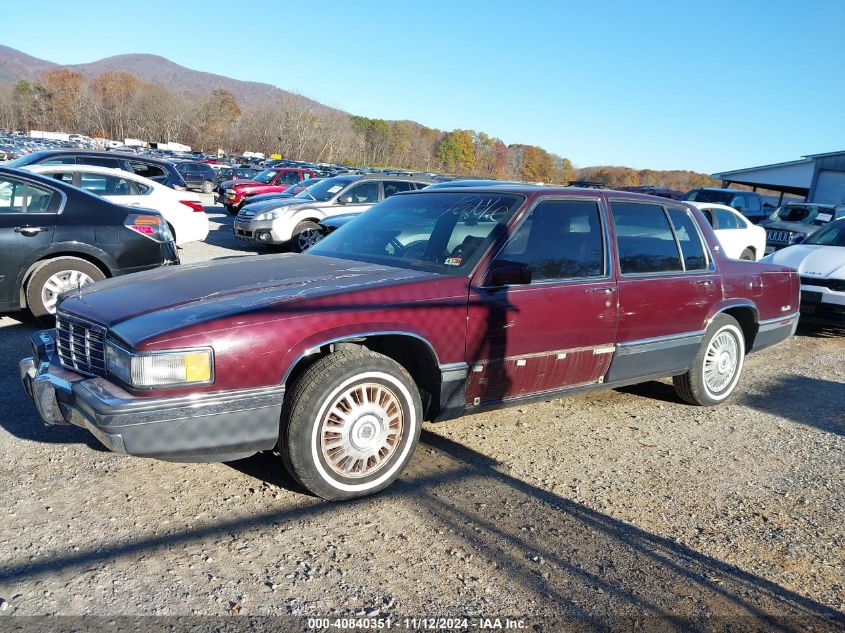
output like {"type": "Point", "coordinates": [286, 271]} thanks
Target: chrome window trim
{"type": "Point", "coordinates": [607, 263]}
{"type": "Point", "coordinates": [666, 273]}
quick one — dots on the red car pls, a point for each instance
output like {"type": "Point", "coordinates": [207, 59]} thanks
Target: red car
{"type": "Point", "coordinates": [431, 305]}
{"type": "Point", "coordinates": [235, 192]}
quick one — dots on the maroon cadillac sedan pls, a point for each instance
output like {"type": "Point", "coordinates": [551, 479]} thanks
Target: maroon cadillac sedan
{"type": "Point", "coordinates": [431, 305]}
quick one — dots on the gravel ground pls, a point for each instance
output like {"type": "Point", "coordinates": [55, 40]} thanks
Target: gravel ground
{"type": "Point", "coordinates": [625, 508]}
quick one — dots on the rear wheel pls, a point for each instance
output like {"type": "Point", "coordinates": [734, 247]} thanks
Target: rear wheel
{"type": "Point", "coordinates": [351, 425]}
{"type": "Point", "coordinates": [207, 187]}
{"type": "Point", "coordinates": [747, 255]}
{"type": "Point", "coordinates": [55, 277]}
{"type": "Point", "coordinates": [715, 372]}
{"type": "Point", "coordinates": [305, 235]}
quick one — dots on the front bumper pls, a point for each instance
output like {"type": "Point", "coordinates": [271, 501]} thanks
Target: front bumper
{"type": "Point", "coordinates": [822, 305]}
{"type": "Point", "coordinates": [273, 231]}
{"type": "Point", "coordinates": [212, 427]}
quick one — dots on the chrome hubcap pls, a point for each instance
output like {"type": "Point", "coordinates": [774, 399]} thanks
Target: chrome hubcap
{"type": "Point", "coordinates": [62, 282]}
{"type": "Point", "coordinates": [720, 362]}
{"type": "Point", "coordinates": [361, 431]}
{"type": "Point", "coordinates": [308, 238]}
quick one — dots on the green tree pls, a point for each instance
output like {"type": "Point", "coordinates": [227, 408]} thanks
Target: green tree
{"type": "Point", "coordinates": [456, 151]}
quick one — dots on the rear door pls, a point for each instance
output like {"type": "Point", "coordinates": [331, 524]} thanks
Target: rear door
{"type": "Point", "coordinates": [667, 285]}
{"type": "Point", "coordinates": [27, 222]}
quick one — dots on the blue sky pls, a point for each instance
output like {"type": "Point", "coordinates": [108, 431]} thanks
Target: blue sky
{"type": "Point", "coordinates": [708, 86]}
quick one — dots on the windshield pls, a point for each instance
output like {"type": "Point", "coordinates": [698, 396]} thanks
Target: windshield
{"type": "Point", "coordinates": [708, 195]}
{"type": "Point", "coordinates": [804, 213]}
{"type": "Point", "coordinates": [437, 232]}
{"type": "Point", "coordinates": [831, 235]}
{"type": "Point", "coordinates": [266, 176]}
{"type": "Point", "coordinates": [323, 190]}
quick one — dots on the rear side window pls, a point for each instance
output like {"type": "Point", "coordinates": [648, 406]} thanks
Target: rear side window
{"type": "Point", "coordinates": [560, 239]}
{"type": "Point", "coordinates": [153, 172]}
{"type": "Point", "coordinates": [726, 220]}
{"type": "Point", "coordinates": [392, 187]}
{"type": "Point", "coordinates": [688, 239]}
{"type": "Point", "coordinates": [644, 239]}
{"type": "Point", "coordinates": [60, 160]}
{"type": "Point", "coordinates": [23, 197]}
{"type": "Point", "coordinates": [106, 185]}
{"type": "Point", "coordinates": [753, 203]}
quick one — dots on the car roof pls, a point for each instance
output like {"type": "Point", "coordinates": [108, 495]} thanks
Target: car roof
{"type": "Point", "coordinates": [713, 205]}
{"type": "Point", "coordinates": [91, 169]}
{"type": "Point", "coordinates": [549, 190]}
{"type": "Point", "coordinates": [110, 154]}
{"type": "Point", "coordinates": [722, 189]}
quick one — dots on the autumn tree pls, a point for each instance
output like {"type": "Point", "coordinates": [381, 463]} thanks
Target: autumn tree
{"type": "Point", "coordinates": [456, 152]}
{"type": "Point", "coordinates": [65, 99]}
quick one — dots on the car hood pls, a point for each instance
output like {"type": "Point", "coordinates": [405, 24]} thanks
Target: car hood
{"type": "Point", "coordinates": [268, 205]}
{"type": "Point", "coordinates": [812, 260]}
{"type": "Point", "coordinates": [143, 305]}
{"type": "Point", "coordinates": [794, 227]}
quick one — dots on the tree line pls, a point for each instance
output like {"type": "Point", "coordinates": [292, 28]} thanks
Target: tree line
{"type": "Point", "coordinates": [118, 105]}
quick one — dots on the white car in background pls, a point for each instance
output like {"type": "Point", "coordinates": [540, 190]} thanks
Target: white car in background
{"type": "Point", "coordinates": [183, 210]}
{"type": "Point", "coordinates": [820, 263]}
{"type": "Point", "coordinates": [739, 238]}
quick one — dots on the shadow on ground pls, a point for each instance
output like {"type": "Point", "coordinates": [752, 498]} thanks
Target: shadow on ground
{"type": "Point", "coordinates": [574, 561]}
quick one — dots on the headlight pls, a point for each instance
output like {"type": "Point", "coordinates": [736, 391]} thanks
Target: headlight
{"type": "Point", "coordinates": [268, 215]}
{"type": "Point", "coordinates": [160, 369]}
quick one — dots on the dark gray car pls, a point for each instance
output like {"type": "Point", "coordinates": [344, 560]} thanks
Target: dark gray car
{"type": "Point", "coordinates": [793, 222]}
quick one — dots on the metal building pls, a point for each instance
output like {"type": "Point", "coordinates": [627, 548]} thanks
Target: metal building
{"type": "Point", "coordinates": [815, 177]}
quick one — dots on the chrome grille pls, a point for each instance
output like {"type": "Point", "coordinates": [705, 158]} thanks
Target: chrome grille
{"type": "Point", "coordinates": [773, 235]}
{"type": "Point", "coordinates": [81, 345]}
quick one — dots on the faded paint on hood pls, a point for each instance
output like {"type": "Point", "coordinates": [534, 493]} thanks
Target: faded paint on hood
{"type": "Point", "coordinates": [143, 305]}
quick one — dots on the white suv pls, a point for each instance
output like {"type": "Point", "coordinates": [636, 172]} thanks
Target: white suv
{"type": "Point", "coordinates": [295, 219]}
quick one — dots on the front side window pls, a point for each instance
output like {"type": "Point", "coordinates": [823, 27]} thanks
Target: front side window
{"type": "Point", "coordinates": [23, 197]}
{"type": "Point", "coordinates": [290, 178]}
{"type": "Point", "coordinates": [444, 233]}
{"type": "Point", "coordinates": [688, 239]}
{"type": "Point", "coordinates": [560, 239]}
{"type": "Point", "coordinates": [362, 193]}
{"type": "Point", "coordinates": [64, 176]}
{"type": "Point", "coordinates": [831, 235]}
{"type": "Point", "coordinates": [644, 239]}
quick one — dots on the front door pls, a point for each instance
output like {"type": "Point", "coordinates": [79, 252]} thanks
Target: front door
{"type": "Point", "coordinates": [557, 331]}
{"type": "Point", "coordinates": [27, 220]}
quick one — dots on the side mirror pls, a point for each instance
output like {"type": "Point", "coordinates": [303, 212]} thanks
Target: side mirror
{"type": "Point", "coordinates": [344, 200]}
{"type": "Point", "coordinates": [507, 273]}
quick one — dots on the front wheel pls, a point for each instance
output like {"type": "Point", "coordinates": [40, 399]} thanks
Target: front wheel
{"type": "Point", "coordinates": [305, 235]}
{"type": "Point", "coordinates": [715, 372]}
{"type": "Point", "coordinates": [207, 186]}
{"type": "Point", "coordinates": [351, 425]}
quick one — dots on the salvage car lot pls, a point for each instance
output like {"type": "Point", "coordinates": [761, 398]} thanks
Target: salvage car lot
{"type": "Point", "coordinates": [609, 505]}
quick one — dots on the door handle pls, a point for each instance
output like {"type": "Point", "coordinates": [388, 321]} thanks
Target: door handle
{"type": "Point", "coordinates": [608, 290]}
{"type": "Point", "coordinates": [29, 231]}
{"type": "Point", "coordinates": [703, 282]}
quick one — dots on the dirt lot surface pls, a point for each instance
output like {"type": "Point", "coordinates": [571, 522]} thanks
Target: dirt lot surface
{"type": "Point", "coordinates": [625, 508]}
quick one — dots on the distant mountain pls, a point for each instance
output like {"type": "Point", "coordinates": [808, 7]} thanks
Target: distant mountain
{"type": "Point", "coordinates": [15, 65]}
